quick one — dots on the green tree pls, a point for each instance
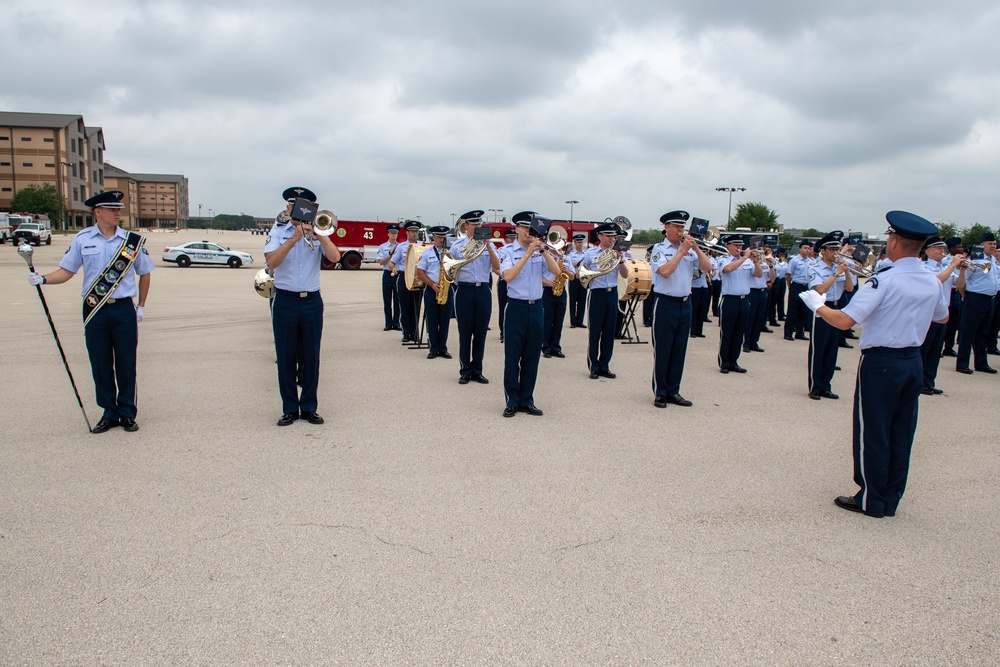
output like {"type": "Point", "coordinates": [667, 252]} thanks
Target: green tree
{"type": "Point", "coordinates": [971, 235]}
{"type": "Point", "coordinates": [947, 229]}
{"type": "Point", "coordinates": [40, 199]}
{"type": "Point", "coordinates": [230, 221]}
{"type": "Point", "coordinates": [754, 215]}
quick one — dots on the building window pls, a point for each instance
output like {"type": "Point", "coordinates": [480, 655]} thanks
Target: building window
{"type": "Point", "coordinates": [93, 153]}
{"type": "Point", "coordinates": [76, 194]}
{"type": "Point", "coordinates": [72, 145]}
{"type": "Point", "coordinates": [95, 176]}
{"type": "Point", "coordinates": [50, 165]}
{"type": "Point", "coordinates": [48, 140]}
{"type": "Point", "coordinates": [4, 138]}
{"type": "Point", "coordinates": [27, 164]}
{"type": "Point", "coordinates": [6, 189]}
{"type": "Point", "coordinates": [25, 138]}
{"type": "Point", "coordinates": [73, 170]}
{"type": "Point", "coordinates": [4, 164]}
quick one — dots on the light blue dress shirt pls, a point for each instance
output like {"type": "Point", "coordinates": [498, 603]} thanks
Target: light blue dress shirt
{"type": "Point", "coordinates": [94, 251]}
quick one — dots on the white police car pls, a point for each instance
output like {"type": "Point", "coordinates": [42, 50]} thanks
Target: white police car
{"type": "Point", "coordinates": [204, 252]}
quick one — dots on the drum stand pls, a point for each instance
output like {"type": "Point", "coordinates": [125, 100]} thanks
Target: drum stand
{"type": "Point", "coordinates": [629, 327]}
{"type": "Point", "coordinates": [419, 344]}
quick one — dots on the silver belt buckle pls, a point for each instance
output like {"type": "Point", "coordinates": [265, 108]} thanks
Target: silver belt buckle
{"type": "Point", "coordinates": [303, 295]}
{"type": "Point", "coordinates": [111, 300]}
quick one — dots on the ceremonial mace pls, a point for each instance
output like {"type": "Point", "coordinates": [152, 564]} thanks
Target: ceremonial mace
{"type": "Point", "coordinates": [26, 251]}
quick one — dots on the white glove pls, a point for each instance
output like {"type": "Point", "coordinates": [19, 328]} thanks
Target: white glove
{"type": "Point", "coordinates": [35, 278]}
{"type": "Point", "coordinates": [140, 313]}
{"type": "Point", "coordinates": [813, 299]}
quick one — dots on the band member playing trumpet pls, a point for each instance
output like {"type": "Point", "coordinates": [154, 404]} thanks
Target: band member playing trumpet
{"type": "Point", "coordinates": [522, 267]}
{"type": "Point", "coordinates": [390, 298]}
{"type": "Point", "coordinates": [830, 278]}
{"type": "Point", "coordinates": [438, 315]}
{"type": "Point", "coordinates": [673, 263]}
{"type": "Point", "coordinates": [737, 268]}
{"type": "Point", "coordinates": [409, 301]}
{"type": "Point", "coordinates": [297, 317]}
{"type": "Point", "coordinates": [797, 280]}
{"type": "Point", "coordinates": [949, 274]}
{"type": "Point", "coordinates": [602, 302]}
{"type": "Point", "coordinates": [111, 258]}
{"type": "Point", "coordinates": [977, 310]}
{"type": "Point", "coordinates": [757, 316]}
{"type": "Point", "coordinates": [473, 300]}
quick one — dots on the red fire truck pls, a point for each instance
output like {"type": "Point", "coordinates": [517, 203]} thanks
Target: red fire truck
{"type": "Point", "coordinates": [359, 240]}
{"type": "Point", "coordinates": [499, 228]}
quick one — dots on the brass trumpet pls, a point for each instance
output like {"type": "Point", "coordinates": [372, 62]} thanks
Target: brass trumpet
{"type": "Point", "coordinates": [864, 270]}
{"type": "Point", "coordinates": [971, 266]}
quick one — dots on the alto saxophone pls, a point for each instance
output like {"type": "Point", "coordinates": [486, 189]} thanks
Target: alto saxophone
{"type": "Point", "coordinates": [559, 284]}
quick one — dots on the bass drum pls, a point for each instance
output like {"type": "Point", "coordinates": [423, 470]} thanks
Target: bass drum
{"type": "Point", "coordinates": [413, 253]}
{"type": "Point", "coordinates": [639, 282]}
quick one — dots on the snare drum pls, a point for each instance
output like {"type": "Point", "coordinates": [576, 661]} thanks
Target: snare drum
{"type": "Point", "coordinates": [413, 253]}
{"type": "Point", "coordinates": [638, 283]}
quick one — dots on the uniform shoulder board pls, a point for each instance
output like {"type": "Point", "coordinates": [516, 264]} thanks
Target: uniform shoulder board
{"type": "Point", "coordinates": [884, 269]}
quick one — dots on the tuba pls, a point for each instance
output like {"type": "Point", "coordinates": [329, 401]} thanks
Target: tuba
{"type": "Point", "coordinates": [325, 223]}
{"type": "Point", "coordinates": [263, 283]}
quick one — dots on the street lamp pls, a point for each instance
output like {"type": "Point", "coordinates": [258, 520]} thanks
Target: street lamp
{"type": "Point", "coordinates": [729, 217]}
{"type": "Point", "coordinates": [453, 219]}
{"type": "Point", "coordinates": [571, 202]}
{"type": "Point", "coordinates": [497, 216]}
{"type": "Point", "coordinates": [69, 184]}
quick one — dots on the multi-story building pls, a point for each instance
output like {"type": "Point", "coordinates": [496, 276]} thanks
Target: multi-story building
{"type": "Point", "coordinates": [119, 179]}
{"type": "Point", "coordinates": [57, 149]}
{"type": "Point", "coordinates": [163, 200]}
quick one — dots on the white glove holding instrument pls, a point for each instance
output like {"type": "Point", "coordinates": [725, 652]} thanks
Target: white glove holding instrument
{"type": "Point", "coordinates": [813, 299]}
{"type": "Point", "coordinates": [140, 313]}
{"type": "Point", "coordinates": [36, 279]}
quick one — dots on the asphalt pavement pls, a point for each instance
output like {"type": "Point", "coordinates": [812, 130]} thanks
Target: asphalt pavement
{"type": "Point", "coordinates": [420, 527]}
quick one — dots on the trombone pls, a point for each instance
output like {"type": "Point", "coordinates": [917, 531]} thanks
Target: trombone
{"type": "Point", "coordinates": [861, 270]}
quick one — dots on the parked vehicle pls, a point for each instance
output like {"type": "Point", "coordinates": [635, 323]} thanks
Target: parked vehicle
{"type": "Point", "coordinates": [205, 252]}
{"type": "Point", "coordinates": [33, 232]}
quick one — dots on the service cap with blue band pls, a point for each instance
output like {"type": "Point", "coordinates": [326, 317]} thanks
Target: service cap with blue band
{"type": "Point", "coordinates": [439, 230]}
{"type": "Point", "coordinates": [523, 218]}
{"type": "Point", "coordinates": [579, 236]}
{"type": "Point", "coordinates": [805, 242]}
{"type": "Point", "coordinates": [909, 225]}
{"type": "Point", "coordinates": [986, 237]}
{"type": "Point", "coordinates": [412, 225]}
{"type": "Point", "coordinates": [736, 239]}
{"type": "Point", "coordinates": [954, 240]}
{"type": "Point", "coordinates": [392, 228]}
{"type": "Point", "coordinates": [293, 193]}
{"type": "Point", "coordinates": [606, 228]}
{"type": "Point", "coordinates": [831, 240]}
{"type": "Point", "coordinates": [108, 199]}
{"type": "Point", "coordinates": [934, 242]}
{"type": "Point", "coordinates": [675, 218]}
{"type": "Point", "coordinates": [510, 234]}
{"type": "Point", "coordinates": [472, 217]}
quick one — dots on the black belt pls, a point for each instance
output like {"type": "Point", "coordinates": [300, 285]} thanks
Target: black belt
{"type": "Point", "coordinates": [298, 295]}
{"type": "Point", "coordinates": [530, 302]}
{"type": "Point", "coordinates": [482, 284]}
{"type": "Point", "coordinates": [795, 282]}
{"type": "Point", "coordinates": [121, 299]}
{"type": "Point", "coordinates": [892, 351]}
{"type": "Point", "coordinates": [742, 296]}
{"type": "Point", "coordinates": [756, 289]}
{"type": "Point", "coordinates": [660, 295]}
{"type": "Point", "coordinates": [603, 289]}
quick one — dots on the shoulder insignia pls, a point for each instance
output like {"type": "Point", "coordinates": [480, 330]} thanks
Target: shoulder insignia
{"type": "Point", "coordinates": [145, 252]}
{"type": "Point", "coordinates": [65, 251]}
{"type": "Point", "coordinates": [873, 281]}
{"type": "Point", "coordinates": [812, 275]}
{"type": "Point", "coordinates": [656, 257]}
{"type": "Point", "coordinates": [884, 269]}
{"type": "Point", "coordinates": [268, 239]}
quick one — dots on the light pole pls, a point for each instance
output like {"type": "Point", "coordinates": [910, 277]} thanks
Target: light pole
{"type": "Point", "coordinates": [729, 216]}
{"type": "Point", "coordinates": [453, 219]}
{"type": "Point", "coordinates": [66, 163]}
{"type": "Point", "coordinates": [571, 202]}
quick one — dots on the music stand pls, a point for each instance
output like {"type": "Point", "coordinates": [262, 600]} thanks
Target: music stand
{"type": "Point", "coordinates": [628, 325]}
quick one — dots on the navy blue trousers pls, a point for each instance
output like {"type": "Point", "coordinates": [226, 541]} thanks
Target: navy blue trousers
{"type": "Point", "coordinates": [522, 347]}
{"type": "Point", "coordinates": [973, 335]}
{"type": "Point", "coordinates": [112, 337]}
{"type": "Point", "coordinates": [298, 328]}
{"type": "Point", "coordinates": [776, 304]}
{"type": "Point", "coordinates": [648, 305]}
{"type": "Point", "coordinates": [885, 420]}
{"type": "Point", "coordinates": [671, 330]}
{"type": "Point", "coordinates": [438, 320]}
{"type": "Point", "coordinates": [501, 303]}
{"type": "Point", "coordinates": [577, 303]}
{"type": "Point", "coordinates": [409, 307]}
{"type": "Point", "coordinates": [930, 353]}
{"type": "Point", "coordinates": [756, 317]}
{"type": "Point", "coordinates": [473, 309]}
{"type": "Point", "coordinates": [823, 347]}
{"type": "Point", "coordinates": [954, 319]}
{"type": "Point", "coordinates": [390, 300]}
{"type": "Point", "coordinates": [602, 307]}
{"type": "Point", "coordinates": [733, 313]}
{"type": "Point", "coordinates": [700, 299]}
{"type": "Point", "coordinates": [716, 287]}
{"type": "Point", "coordinates": [554, 308]}
{"type": "Point", "coordinates": [798, 313]}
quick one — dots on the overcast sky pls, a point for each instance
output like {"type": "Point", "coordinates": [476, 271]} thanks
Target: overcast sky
{"type": "Point", "coordinates": [830, 113]}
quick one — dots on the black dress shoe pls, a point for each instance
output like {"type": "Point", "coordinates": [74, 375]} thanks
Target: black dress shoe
{"type": "Point", "coordinates": [546, 355]}
{"type": "Point", "coordinates": [724, 371]}
{"type": "Point", "coordinates": [987, 369]}
{"type": "Point", "coordinates": [509, 411]}
{"type": "Point", "coordinates": [829, 394]}
{"type": "Point", "coordinates": [593, 375]}
{"type": "Point", "coordinates": [312, 418]}
{"type": "Point", "coordinates": [531, 410]}
{"type": "Point", "coordinates": [432, 355]}
{"type": "Point", "coordinates": [949, 353]}
{"type": "Point", "coordinates": [287, 418]}
{"type": "Point", "coordinates": [558, 355]}
{"type": "Point", "coordinates": [129, 425]}
{"type": "Point", "coordinates": [677, 399]}
{"type": "Point", "coordinates": [802, 338]}
{"type": "Point", "coordinates": [501, 339]}
{"type": "Point", "coordinates": [994, 352]}
{"type": "Point", "coordinates": [936, 392]}
{"type": "Point", "coordinates": [480, 379]}
{"type": "Point", "coordinates": [660, 402]}
{"type": "Point", "coordinates": [387, 329]}
{"type": "Point", "coordinates": [406, 340]}
{"type": "Point", "coordinates": [927, 391]}
{"type": "Point", "coordinates": [464, 379]}
{"type": "Point", "coordinates": [967, 371]}
{"type": "Point", "coordinates": [781, 319]}
{"type": "Point", "coordinates": [851, 505]}
{"type": "Point", "coordinates": [837, 368]}
{"type": "Point", "coordinates": [755, 348]}
{"type": "Point", "coordinates": [844, 343]}
{"type": "Point", "coordinates": [104, 425]}
{"type": "Point", "coordinates": [814, 397]}
{"type": "Point", "coordinates": [789, 338]}
{"type": "Point", "coordinates": [768, 330]}
{"type": "Point", "coordinates": [446, 355]}
{"type": "Point", "coordinates": [607, 374]}
{"type": "Point", "coordinates": [738, 369]}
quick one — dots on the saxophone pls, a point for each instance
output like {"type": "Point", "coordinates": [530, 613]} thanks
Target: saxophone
{"type": "Point", "coordinates": [559, 284]}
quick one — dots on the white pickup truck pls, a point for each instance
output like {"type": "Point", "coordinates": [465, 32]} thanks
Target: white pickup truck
{"type": "Point", "coordinates": [32, 232]}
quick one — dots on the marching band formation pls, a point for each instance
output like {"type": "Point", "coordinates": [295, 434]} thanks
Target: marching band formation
{"type": "Point", "coordinates": [922, 296]}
